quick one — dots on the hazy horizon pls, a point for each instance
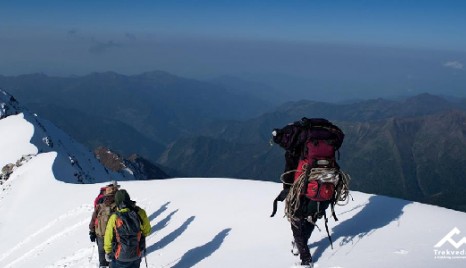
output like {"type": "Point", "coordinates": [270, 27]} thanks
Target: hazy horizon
{"type": "Point", "coordinates": [369, 48]}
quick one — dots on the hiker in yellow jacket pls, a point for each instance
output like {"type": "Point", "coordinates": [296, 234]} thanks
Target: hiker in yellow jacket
{"type": "Point", "coordinates": [127, 228]}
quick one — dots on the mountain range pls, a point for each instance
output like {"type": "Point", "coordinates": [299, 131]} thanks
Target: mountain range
{"type": "Point", "coordinates": [154, 108]}
{"type": "Point", "coordinates": [412, 148]}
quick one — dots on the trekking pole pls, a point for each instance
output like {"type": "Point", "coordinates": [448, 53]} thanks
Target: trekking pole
{"type": "Point", "coordinates": [92, 253]}
{"type": "Point", "coordinates": [145, 257]}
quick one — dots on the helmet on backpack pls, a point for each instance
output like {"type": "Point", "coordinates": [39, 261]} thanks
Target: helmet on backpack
{"type": "Point", "coordinates": [110, 190]}
{"type": "Point", "coordinates": [114, 184]}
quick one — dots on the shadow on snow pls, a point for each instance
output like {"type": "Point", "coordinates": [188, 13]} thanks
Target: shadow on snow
{"type": "Point", "coordinates": [163, 223]}
{"type": "Point", "coordinates": [159, 211]}
{"type": "Point", "coordinates": [377, 213]}
{"type": "Point", "coordinates": [171, 236]}
{"type": "Point", "coordinates": [197, 254]}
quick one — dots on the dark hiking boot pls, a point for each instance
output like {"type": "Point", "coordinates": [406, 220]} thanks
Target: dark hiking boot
{"type": "Point", "coordinates": [307, 263]}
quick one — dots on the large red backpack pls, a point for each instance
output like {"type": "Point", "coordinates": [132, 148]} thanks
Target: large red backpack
{"type": "Point", "coordinates": [311, 148]}
{"type": "Point", "coordinates": [318, 160]}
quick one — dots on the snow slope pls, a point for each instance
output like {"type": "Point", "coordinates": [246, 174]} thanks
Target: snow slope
{"type": "Point", "coordinates": [214, 223]}
{"type": "Point", "coordinates": [24, 135]}
{"type": "Point", "coordinates": [200, 222]}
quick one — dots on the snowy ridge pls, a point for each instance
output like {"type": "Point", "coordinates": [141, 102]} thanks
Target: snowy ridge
{"type": "Point", "coordinates": [74, 163]}
{"type": "Point", "coordinates": [197, 222]}
{"type": "Point", "coordinates": [8, 105]}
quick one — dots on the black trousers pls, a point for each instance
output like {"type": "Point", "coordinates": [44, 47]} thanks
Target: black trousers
{"type": "Point", "coordinates": [100, 247]}
{"type": "Point", "coordinates": [302, 230]}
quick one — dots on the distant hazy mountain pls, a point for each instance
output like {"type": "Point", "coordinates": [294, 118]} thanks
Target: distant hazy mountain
{"type": "Point", "coordinates": [419, 158]}
{"type": "Point", "coordinates": [414, 149]}
{"type": "Point", "coordinates": [139, 113]}
{"type": "Point", "coordinates": [260, 90]}
{"type": "Point", "coordinates": [95, 130]}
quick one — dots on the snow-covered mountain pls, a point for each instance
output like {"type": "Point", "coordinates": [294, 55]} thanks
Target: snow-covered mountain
{"type": "Point", "coordinates": [44, 215]}
{"type": "Point", "coordinates": [26, 136]}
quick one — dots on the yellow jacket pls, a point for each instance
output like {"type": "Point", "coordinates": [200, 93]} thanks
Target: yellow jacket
{"type": "Point", "coordinates": [109, 231]}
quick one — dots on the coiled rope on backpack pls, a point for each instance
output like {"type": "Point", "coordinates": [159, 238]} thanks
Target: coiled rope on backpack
{"type": "Point", "coordinates": [293, 199]}
{"type": "Point", "coordinates": [342, 191]}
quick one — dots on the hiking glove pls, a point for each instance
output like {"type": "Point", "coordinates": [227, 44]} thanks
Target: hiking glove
{"type": "Point", "coordinates": [282, 196]}
{"type": "Point", "coordinates": [92, 236]}
{"type": "Point", "coordinates": [108, 257]}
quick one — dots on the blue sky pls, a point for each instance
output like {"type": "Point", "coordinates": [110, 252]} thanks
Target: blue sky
{"type": "Point", "coordinates": [360, 43]}
{"type": "Point", "coordinates": [427, 24]}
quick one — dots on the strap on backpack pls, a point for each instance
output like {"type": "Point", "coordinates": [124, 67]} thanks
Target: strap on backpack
{"type": "Point", "coordinates": [281, 197]}
{"type": "Point", "coordinates": [326, 229]}
{"type": "Point", "coordinates": [332, 207]}
{"type": "Point", "coordinates": [274, 210]}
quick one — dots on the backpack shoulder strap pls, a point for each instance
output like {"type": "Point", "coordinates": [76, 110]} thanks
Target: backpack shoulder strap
{"type": "Point", "coordinates": [100, 208]}
{"type": "Point", "coordinates": [136, 209]}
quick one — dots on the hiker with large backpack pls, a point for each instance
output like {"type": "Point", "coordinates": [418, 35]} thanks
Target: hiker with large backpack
{"type": "Point", "coordinates": [312, 180]}
{"type": "Point", "coordinates": [99, 219]}
{"type": "Point", "coordinates": [125, 234]}
{"type": "Point", "coordinates": [100, 197]}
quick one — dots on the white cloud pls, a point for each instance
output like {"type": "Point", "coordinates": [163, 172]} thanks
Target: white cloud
{"type": "Point", "coordinates": [454, 65]}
